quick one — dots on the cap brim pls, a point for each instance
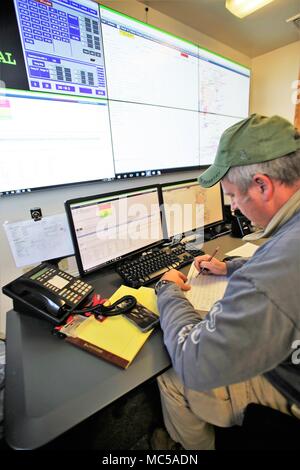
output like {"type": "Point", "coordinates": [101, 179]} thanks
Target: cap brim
{"type": "Point", "coordinates": [212, 175]}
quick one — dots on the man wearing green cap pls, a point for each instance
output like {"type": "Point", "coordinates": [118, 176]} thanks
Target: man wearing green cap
{"type": "Point", "coordinates": [245, 349]}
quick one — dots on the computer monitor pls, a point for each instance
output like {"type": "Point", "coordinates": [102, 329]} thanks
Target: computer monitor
{"type": "Point", "coordinates": [107, 228]}
{"type": "Point", "coordinates": [137, 54]}
{"type": "Point", "coordinates": [160, 102]}
{"type": "Point", "coordinates": [187, 207]}
{"type": "Point", "coordinates": [212, 127]}
{"type": "Point", "coordinates": [62, 46]}
{"type": "Point", "coordinates": [174, 121]}
{"type": "Point", "coordinates": [48, 140]}
{"type": "Point", "coordinates": [223, 85]}
{"type": "Point", "coordinates": [151, 139]}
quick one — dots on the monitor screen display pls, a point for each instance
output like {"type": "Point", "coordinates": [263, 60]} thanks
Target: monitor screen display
{"type": "Point", "coordinates": [52, 140]}
{"type": "Point", "coordinates": [107, 228]}
{"type": "Point", "coordinates": [62, 46]}
{"type": "Point", "coordinates": [223, 86]}
{"type": "Point", "coordinates": [138, 55]}
{"type": "Point", "coordinates": [212, 127]}
{"type": "Point", "coordinates": [160, 102]}
{"type": "Point", "coordinates": [152, 138]}
{"type": "Point", "coordinates": [188, 207]}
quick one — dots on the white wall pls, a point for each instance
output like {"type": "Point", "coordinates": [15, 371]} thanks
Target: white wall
{"type": "Point", "coordinates": [272, 77]}
{"type": "Point", "coordinates": [51, 201]}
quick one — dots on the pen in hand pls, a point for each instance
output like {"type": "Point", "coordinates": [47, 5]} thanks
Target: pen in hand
{"type": "Point", "coordinates": [209, 259]}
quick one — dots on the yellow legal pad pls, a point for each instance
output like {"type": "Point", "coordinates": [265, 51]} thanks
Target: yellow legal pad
{"type": "Point", "coordinates": [116, 339]}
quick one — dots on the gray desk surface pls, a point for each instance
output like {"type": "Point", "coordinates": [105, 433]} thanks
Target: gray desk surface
{"type": "Point", "coordinates": [52, 386]}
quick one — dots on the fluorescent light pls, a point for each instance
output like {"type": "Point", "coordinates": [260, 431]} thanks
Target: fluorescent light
{"type": "Point", "coordinates": [242, 8]}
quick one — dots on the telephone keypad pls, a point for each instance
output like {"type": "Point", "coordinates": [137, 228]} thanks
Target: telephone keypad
{"type": "Point", "coordinates": [72, 292]}
{"type": "Point", "coordinates": [48, 292]}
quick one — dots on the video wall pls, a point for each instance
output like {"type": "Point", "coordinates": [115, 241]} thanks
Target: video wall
{"type": "Point", "coordinates": [87, 93]}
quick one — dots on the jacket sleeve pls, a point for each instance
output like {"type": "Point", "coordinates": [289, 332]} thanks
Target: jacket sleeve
{"type": "Point", "coordinates": [234, 264]}
{"type": "Point", "coordinates": [232, 343]}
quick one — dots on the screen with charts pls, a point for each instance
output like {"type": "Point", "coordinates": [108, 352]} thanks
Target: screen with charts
{"type": "Point", "coordinates": [105, 229]}
{"type": "Point", "coordinates": [62, 46]}
{"type": "Point", "coordinates": [212, 127]}
{"type": "Point", "coordinates": [148, 139]}
{"type": "Point", "coordinates": [142, 55]}
{"type": "Point", "coordinates": [140, 101]}
{"type": "Point", "coordinates": [52, 141]}
{"type": "Point", "coordinates": [223, 86]}
{"type": "Point", "coordinates": [188, 207]}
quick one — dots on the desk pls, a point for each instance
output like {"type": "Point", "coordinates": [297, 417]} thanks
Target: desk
{"type": "Point", "coordinates": [51, 386]}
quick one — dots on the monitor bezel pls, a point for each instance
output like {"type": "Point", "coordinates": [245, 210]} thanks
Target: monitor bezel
{"type": "Point", "coordinates": [192, 231]}
{"type": "Point", "coordinates": [113, 194]}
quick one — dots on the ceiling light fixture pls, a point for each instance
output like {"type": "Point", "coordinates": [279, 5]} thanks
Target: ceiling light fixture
{"type": "Point", "coordinates": [242, 8]}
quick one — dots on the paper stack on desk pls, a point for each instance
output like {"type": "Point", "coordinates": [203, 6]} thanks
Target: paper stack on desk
{"type": "Point", "coordinates": [245, 251]}
{"type": "Point", "coordinates": [115, 339]}
{"type": "Point", "coordinates": [205, 290]}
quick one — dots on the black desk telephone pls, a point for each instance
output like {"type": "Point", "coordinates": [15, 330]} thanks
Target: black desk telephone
{"type": "Point", "coordinates": [48, 292]}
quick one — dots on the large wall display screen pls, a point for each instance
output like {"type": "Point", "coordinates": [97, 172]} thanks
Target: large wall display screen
{"type": "Point", "coordinates": [146, 65]}
{"type": "Point", "coordinates": [51, 141]}
{"type": "Point", "coordinates": [149, 138]}
{"type": "Point", "coordinates": [223, 86]}
{"type": "Point", "coordinates": [212, 127]}
{"type": "Point", "coordinates": [121, 97]}
{"type": "Point", "coordinates": [62, 46]}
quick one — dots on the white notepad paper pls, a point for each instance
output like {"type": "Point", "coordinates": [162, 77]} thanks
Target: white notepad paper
{"type": "Point", "coordinates": [205, 289]}
{"type": "Point", "coordinates": [245, 251]}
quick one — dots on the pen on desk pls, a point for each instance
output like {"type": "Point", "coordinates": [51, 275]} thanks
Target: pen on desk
{"type": "Point", "coordinates": [209, 259]}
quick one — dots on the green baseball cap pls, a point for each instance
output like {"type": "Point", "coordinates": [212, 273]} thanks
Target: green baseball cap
{"type": "Point", "coordinates": [256, 139]}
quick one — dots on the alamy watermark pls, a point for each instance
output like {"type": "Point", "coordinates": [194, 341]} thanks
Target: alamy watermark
{"type": "Point", "coordinates": [136, 221]}
{"type": "Point", "coordinates": [295, 96]}
{"type": "Point", "coordinates": [296, 353]}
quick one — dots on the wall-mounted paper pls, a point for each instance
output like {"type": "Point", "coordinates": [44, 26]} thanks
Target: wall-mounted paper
{"type": "Point", "coordinates": [32, 242]}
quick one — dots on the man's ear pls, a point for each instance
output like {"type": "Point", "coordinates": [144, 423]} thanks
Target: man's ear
{"type": "Point", "coordinates": [264, 185]}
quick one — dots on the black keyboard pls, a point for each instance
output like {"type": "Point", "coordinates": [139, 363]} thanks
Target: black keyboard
{"type": "Point", "coordinates": [149, 266]}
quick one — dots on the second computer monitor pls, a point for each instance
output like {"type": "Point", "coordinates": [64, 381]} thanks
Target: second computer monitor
{"type": "Point", "coordinates": [188, 207]}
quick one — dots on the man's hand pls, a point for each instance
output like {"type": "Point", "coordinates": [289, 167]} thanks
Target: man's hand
{"type": "Point", "coordinates": [214, 266]}
{"type": "Point", "coordinates": [179, 278]}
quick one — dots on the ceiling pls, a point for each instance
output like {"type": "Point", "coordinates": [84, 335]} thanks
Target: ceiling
{"type": "Point", "coordinates": [258, 33]}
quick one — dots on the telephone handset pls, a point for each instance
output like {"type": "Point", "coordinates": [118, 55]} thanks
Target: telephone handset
{"type": "Point", "coordinates": [48, 292]}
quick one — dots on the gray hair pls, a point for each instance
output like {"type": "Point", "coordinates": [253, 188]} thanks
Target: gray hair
{"type": "Point", "coordinates": [284, 169]}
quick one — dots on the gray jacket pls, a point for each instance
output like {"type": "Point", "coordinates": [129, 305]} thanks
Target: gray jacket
{"type": "Point", "coordinates": [254, 329]}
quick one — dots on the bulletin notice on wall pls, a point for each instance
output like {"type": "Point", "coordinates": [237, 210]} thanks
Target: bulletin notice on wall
{"type": "Point", "coordinates": [36, 241]}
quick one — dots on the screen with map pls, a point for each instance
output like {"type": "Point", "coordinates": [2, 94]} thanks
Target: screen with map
{"type": "Point", "coordinates": [188, 207]}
